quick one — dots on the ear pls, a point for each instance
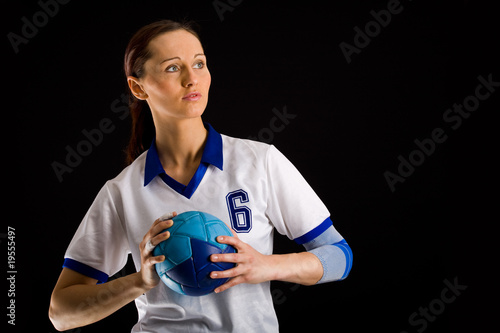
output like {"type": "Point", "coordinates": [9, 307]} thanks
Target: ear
{"type": "Point", "coordinates": [136, 88]}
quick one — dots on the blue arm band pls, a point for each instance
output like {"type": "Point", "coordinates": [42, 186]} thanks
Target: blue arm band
{"type": "Point", "coordinates": [334, 254]}
{"type": "Point", "coordinates": [85, 270]}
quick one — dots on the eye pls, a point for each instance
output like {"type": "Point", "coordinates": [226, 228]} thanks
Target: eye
{"type": "Point", "coordinates": [172, 68]}
{"type": "Point", "coordinates": [199, 65]}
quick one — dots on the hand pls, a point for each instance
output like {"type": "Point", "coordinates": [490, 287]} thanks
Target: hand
{"type": "Point", "coordinates": [251, 265]}
{"type": "Point", "coordinates": [154, 236]}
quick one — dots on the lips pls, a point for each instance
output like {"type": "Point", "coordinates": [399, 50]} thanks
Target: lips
{"type": "Point", "coordinates": [192, 96]}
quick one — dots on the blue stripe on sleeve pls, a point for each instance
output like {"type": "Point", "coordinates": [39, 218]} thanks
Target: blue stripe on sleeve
{"type": "Point", "coordinates": [348, 255]}
{"type": "Point", "coordinates": [85, 270]}
{"type": "Point", "coordinates": [315, 232]}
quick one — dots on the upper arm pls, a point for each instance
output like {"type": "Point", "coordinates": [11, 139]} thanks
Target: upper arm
{"type": "Point", "coordinates": [69, 277]}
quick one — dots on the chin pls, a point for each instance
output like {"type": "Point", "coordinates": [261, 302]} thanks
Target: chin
{"type": "Point", "coordinates": [194, 111]}
{"type": "Point", "coordinates": [181, 112]}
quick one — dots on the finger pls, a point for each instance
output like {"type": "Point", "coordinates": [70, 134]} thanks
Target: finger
{"type": "Point", "coordinates": [235, 258]}
{"type": "Point", "coordinates": [229, 284]}
{"type": "Point", "coordinates": [160, 227]}
{"type": "Point", "coordinates": [156, 222]}
{"type": "Point", "coordinates": [153, 242]}
{"type": "Point", "coordinates": [229, 273]}
{"type": "Point", "coordinates": [157, 227]}
{"type": "Point", "coordinates": [167, 216]}
{"type": "Point", "coordinates": [154, 231]}
{"type": "Point", "coordinates": [164, 217]}
{"type": "Point", "coordinates": [159, 238]}
{"type": "Point", "coordinates": [155, 260]}
{"type": "Point", "coordinates": [234, 241]}
{"type": "Point", "coordinates": [148, 247]}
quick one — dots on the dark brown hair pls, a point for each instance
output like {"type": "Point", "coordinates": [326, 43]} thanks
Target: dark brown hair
{"type": "Point", "coordinates": [136, 55]}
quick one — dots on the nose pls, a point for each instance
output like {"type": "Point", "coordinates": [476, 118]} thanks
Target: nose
{"type": "Point", "coordinates": [189, 78]}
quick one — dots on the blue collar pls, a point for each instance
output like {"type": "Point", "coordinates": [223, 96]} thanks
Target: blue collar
{"type": "Point", "coordinates": [212, 154]}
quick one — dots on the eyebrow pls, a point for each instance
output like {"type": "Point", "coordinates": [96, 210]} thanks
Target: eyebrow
{"type": "Point", "coordinates": [196, 55]}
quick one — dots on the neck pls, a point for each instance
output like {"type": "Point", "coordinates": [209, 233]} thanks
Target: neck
{"type": "Point", "coordinates": [181, 143]}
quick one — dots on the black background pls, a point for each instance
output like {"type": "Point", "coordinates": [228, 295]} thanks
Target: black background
{"type": "Point", "coordinates": [352, 122]}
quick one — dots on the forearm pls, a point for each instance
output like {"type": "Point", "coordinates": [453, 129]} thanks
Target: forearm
{"type": "Point", "coordinates": [302, 268]}
{"type": "Point", "coordinates": [82, 304]}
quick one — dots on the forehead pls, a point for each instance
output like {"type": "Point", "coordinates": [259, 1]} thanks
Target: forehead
{"type": "Point", "coordinates": [179, 43]}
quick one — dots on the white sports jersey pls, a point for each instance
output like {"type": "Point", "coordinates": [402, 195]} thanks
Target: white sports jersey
{"type": "Point", "coordinates": [249, 185]}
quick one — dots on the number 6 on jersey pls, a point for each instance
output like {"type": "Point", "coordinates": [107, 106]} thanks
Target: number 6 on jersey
{"type": "Point", "coordinates": [240, 215]}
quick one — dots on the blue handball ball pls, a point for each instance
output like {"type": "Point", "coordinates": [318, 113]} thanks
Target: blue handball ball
{"type": "Point", "coordinates": [187, 251]}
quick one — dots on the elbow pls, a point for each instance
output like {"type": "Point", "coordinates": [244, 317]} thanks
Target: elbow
{"type": "Point", "coordinates": [57, 317]}
{"type": "Point", "coordinates": [348, 257]}
{"type": "Point", "coordinates": [347, 271]}
{"type": "Point", "coordinates": [336, 260]}
{"type": "Point", "coordinates": [58, 325]}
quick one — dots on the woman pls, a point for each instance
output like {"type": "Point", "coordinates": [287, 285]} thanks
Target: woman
{"type": "Point", "coordinates": [189, 166]}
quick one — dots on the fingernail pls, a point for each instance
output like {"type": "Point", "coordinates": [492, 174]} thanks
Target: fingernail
{"type": "Point", "coordinates": [221, 238]}
{"type": "Point", "coordinates": [214, 275]}
{"type": "Point", "coordinates": [217, 290]}
{"type": "Point", "coordinates": [215, 257]}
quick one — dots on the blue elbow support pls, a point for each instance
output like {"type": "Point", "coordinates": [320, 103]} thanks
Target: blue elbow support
{"type": "Point", "coordinates": [348, 255]}
{"type": "Point", "coordinates": [334, 254]}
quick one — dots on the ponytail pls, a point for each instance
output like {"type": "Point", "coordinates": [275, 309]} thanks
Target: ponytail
{"type": "Point", "coordinates": [135, 145]}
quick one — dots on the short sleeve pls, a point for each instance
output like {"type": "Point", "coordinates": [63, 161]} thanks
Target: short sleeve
{"type": "Point", "coordinates": [99, 248]}
{"type": "Point", "coordinates": [293, 207]}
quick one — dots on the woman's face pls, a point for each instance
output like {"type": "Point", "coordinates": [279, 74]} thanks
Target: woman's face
{"type": "Point", "coordinates": [176, 80]}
